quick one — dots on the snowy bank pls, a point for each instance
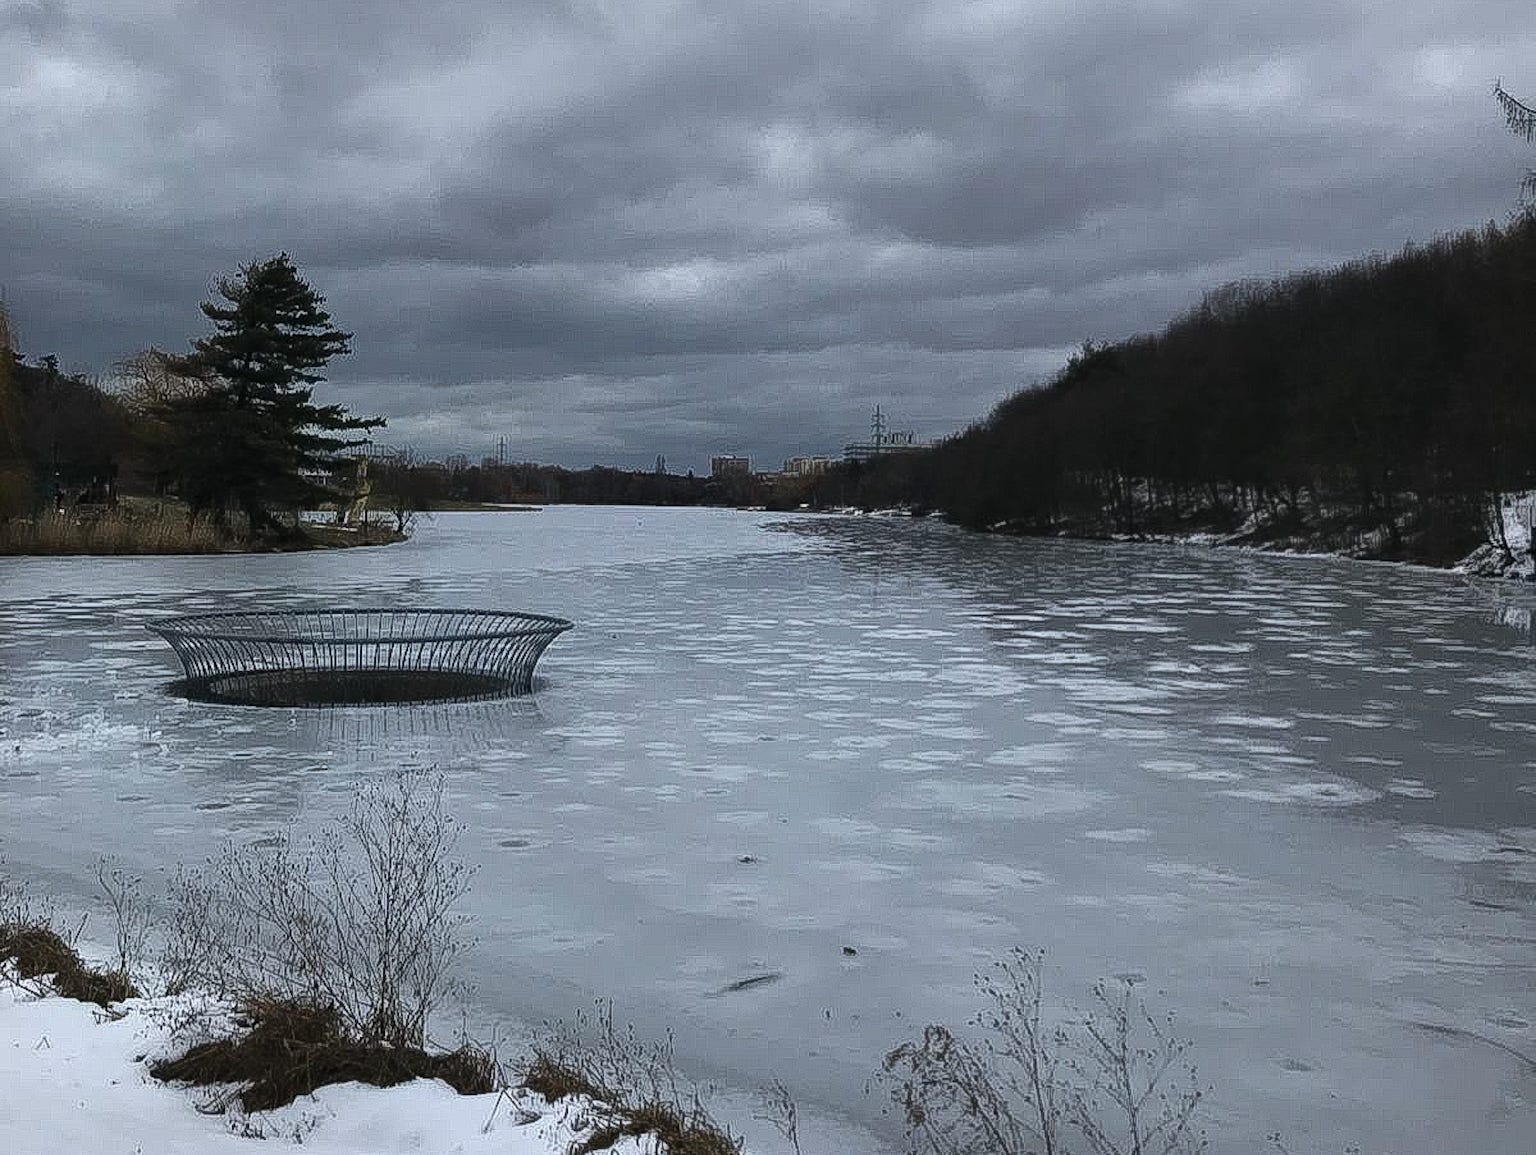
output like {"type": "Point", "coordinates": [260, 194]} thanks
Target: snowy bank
{"type": "Point", "coordinates": [1516, 562]}
{"type": "Point", "coordinates": [76, 1078]}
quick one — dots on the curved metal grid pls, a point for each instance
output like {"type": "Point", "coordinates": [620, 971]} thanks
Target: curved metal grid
{"type": "Point", "coordinates": [325, 657]}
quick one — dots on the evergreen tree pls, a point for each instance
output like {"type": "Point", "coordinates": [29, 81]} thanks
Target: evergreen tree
{"type": "Point", "coordinates": [253, 439]}
{"type": "Point", "coordinates": [14, 484]}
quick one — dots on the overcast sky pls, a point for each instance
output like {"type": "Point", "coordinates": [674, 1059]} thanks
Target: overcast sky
{"type": "Point", "coordinates": [611, 229]}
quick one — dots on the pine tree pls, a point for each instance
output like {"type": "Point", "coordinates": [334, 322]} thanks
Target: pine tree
{"type": "Point", "coordinates": [15, 485]}
{"type": "Point", "coordinates": [253, 439]}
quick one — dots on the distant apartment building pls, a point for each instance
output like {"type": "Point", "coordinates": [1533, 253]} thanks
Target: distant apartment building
{"type": "Point", "coordinates": [729, 465]}
{"type": "Point", "coordinates": [806, 466]}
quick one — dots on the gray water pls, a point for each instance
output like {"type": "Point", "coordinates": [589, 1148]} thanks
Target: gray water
{"type": "Point", "coordinates": [1296, 796]}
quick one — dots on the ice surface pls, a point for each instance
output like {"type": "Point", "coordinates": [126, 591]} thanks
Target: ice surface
{"type": "Point", "coordinates": [1297, 795]}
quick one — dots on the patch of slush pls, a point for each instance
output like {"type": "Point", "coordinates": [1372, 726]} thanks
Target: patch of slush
{"type": "Point", "coordinates": [1040, 758]}
{"type": "Point", "coordinates": [1125, 834]}
{"type": "Point", "coordinates": [1315, 792]}
{"type": "Point", "coordinates": [1515, 848]}
{"type": "Point", "coordinates": [1020, 798]}
{"type": "Point", "coordinates": [1253, 721]}
{"type": "Point", "coordinates": [1410, 788]}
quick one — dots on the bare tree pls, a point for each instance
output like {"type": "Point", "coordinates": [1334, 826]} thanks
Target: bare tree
{"type": "Point", "coordinates": [146, 381]}
{"type": "Point", "coordinates": [402, 487]}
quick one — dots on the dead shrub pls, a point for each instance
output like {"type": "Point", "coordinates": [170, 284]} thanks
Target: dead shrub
{"type": "Point", "coordinates": [358, 918]}
{"type": "Point", "coordinates": [1118, 1076]}
{"type": "Point", "coordinates": [292, 1048]}
{"type": "Point", "coordinates": [633, 1087]}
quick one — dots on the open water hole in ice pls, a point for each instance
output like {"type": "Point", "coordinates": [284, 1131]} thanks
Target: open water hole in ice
{"type": "Point", "coordinates": [1297, 795]}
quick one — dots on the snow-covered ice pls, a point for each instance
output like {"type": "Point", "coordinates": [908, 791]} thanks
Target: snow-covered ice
{"type": "Point", "coordinates": [1295, 793]}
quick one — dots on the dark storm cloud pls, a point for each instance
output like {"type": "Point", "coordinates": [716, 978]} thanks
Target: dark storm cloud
{"type": "Point", "coordinates": [609, 230]}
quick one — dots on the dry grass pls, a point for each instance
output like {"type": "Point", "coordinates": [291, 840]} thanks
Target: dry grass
{"type": "Point", "coordinates": [632, 1086]}
{"type": "Point", "coordinates": [677, 1134]}
{"type": "Point", "coordinates": [549, 1076]}
{"type": "Point", "coordinates": [141, 526]}
{"type": "Point", "coordinates": [293, 1047]}
{"type": "Point", "coordinates": [123, 530]}
{"type": "Point", "coordinates": [680, 1129]}
{"type": "Point", "coordinates": [35, 950]}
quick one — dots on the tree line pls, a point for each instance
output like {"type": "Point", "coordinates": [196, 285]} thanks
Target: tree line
{"type": "Point", "coordinates": [1381, 406]}
{"type": "Point", "coordinates": [410, 481]}
{"type": "Point", "coordinates": [230, 431]}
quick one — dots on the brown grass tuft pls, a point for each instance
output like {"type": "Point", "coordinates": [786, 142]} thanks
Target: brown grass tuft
{"type": "Point", "coordinates": [36, 950]}
{"type": "Point", "coordinates": [677, 1135]}
{"type": "Point", "coordinates": [294, 1048]}
{"type": "Point", "coordinates": [548, 1076]}
{"type": "Point", "coordinates": [679, 1128]}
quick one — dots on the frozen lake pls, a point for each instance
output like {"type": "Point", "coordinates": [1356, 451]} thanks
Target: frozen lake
{"type": "Point", "coordinates": [1298, 796]}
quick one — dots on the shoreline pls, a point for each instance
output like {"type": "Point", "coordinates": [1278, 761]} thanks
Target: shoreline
{"type": "Point", "coordinates": [1487, 561]}
{"type": "Point", "coordinates": [83, 1073]}
{"type": "Point", "coordinates": [130, 532]}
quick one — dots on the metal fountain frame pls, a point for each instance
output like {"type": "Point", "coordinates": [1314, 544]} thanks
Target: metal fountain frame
{"type": "Point", "coordinates": [357, 656]}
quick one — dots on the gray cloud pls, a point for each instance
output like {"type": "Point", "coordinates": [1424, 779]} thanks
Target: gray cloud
{"type": "Point", "coordinates": [614, 230]}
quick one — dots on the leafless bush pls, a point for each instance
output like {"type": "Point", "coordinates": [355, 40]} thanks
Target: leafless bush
{"type": "Point", "coordinates": [359, 917]}
{"type": "Point", "coordinates": [777, 1106]}
{"type": "Point", "coordinates": [19, 906]}
{"type": "Point", "coordinates": [130, 914]}
{"type": "Point", "coordinates": [632, 1086]}
{"type": "Point", "coordinates": [1135, 1092]}
{"type": "Point", "coordinates": [1119, 1078]}
{"type": "Point", "coordinates": [192, 940]}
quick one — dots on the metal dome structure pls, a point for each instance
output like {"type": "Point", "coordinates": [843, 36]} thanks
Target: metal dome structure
{"type": "Point", "coordinates": [322, 657]}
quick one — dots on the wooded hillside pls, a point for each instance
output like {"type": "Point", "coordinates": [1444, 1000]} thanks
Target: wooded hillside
{"type": "Point", "coordinates": [1379, 407]}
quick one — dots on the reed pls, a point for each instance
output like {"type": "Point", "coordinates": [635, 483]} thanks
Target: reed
{"type": "Point", "coordinates": [114, 531]}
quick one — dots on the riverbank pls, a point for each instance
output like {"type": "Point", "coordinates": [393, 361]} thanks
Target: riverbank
{"type": "Point", "coordinates": [139, 526]}
{"type": "Point", "coordinates": [77, 1079]}
{"type": "Point", "coordinates": [1504, 554]}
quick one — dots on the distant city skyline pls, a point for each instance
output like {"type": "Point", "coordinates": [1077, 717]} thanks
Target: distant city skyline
{"type": "Point", "coordinates": [502, 451]}
{"type": "Point", "coordinates": [688, 229]}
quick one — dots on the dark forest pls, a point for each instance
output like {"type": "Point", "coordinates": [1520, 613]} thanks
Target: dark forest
{"type": "Point", "coordinates": [1380, 409]}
